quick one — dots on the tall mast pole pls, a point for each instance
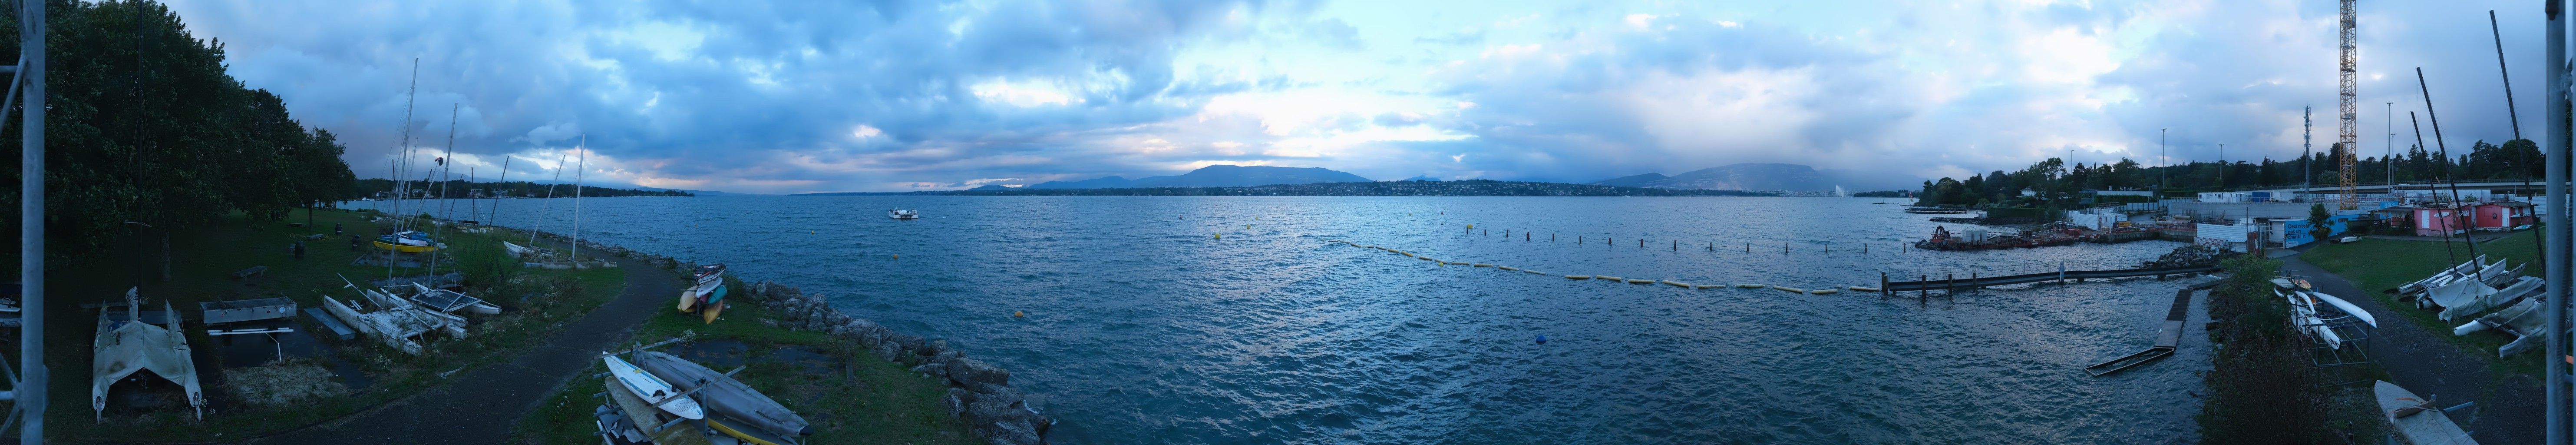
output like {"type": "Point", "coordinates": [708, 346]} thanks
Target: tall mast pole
{"type": "Point", "coordinates": [2558, 246]}
{"type": "Point", "coordinates": [29, 390]}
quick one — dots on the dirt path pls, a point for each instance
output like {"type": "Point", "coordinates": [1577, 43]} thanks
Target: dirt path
{"type": "Point", "coordinates": [2508, 411]}
{"type": "Point", "coordinates": [480, 406]}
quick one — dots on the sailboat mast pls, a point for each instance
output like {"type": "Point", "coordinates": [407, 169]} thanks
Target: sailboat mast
{"type": "Point", "coordinates": [446, 167]}
{"type": "Point", "coordinates": [576, 199]}
{"type": "Point", "coordinates": [549, 208]}
{"type": "Point", "coordinates": [401, 189]}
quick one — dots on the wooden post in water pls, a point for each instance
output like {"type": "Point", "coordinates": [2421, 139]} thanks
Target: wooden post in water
{"type": "Point", "coordinates": [1882, 283]}
{"type": "Point", "coordinates": [1972, 280]}
{"type": "Point", "coordinates": [1677, 245]}
{"type": "Point", "coordinates": [1950, 284]}
{"type": "Point", "coordinates": [1748, 247]}
{"type": "Point", "coordinates": [1784, 247]}
{"type": "Point", "coordinates": [1921, 289]}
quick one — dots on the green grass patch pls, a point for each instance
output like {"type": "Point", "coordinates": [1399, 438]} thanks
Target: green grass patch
{"type": "Point", "coordinates": [859, 400]}
{"type": "Point", "coordinates": [2377, 265]}
{"type": "Point", "coordinates": [201, 265]}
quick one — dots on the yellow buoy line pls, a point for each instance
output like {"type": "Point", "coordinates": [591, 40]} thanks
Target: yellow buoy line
{"type": "Point", "coordinates": [1667, 282]}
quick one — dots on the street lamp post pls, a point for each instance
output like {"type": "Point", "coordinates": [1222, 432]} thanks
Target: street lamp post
{"type": "Point", "coordinates": [2160, 161]}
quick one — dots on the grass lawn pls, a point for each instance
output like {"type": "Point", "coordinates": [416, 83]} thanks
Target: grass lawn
{"type": "Point", "coordinates": [2380, 264]}
{"type": "Point", "coordinates": [862, 400]}
{"type": "Point", "coordinates": [201, 269]}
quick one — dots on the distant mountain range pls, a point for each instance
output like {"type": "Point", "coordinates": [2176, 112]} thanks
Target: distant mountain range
{"type": "Point", "coordinates": [1759, 176]}
{"type": "Point", "coordinates": [1214, 176]}
{"type": "Point", "coordinates": [1470, 187]}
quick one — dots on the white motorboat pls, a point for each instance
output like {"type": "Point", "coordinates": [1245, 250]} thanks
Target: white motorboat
{"type": "Point", "coordinates": [903, 214]}
{"type": "Point", "coordinates": [653, 389]}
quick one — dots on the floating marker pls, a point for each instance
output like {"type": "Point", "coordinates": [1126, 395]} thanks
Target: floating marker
{"type": "Point", "coordinates": [898, 256]}
{"type": "Point", "coordinates": [1542, 339]}
{"type": "Point", "coordinates": [1507, 268]}
{"type": "Point", "coordinates": [1862, 288]}
{"type": "Point", "coordinates": [1017, 314]}
{"type": "Point", "coordinates": [1611, 278]}
{"type": "Point", "coordinates": [1748, 285]}
{"type": "Point", "coordinates": [1824, 291]}
{"type": "Point", "coordinates": [1220, 236]}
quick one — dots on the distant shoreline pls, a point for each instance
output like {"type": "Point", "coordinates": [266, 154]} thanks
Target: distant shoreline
{"type": "Point", "coordinates": [1475, 187]}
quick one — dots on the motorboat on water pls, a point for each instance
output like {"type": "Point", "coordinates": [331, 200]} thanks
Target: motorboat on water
{"type": "Point", "coordinates": [706, 296]}
{"type": "Point", "coordinates": [652, 389]}
{"type": "Point", "coordinates": [732, 408]}
{"type": "Point", "coordinates": [903, 214]}
{"type": "Point", "coordinates": [408, 241]}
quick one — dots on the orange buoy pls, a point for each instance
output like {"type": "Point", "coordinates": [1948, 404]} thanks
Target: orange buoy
{"type": "Point", "coordinates": [898, 256]}
{"type": "Point", "coordinates": [1018, 314]}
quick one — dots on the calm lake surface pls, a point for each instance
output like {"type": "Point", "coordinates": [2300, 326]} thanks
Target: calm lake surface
{"type": "Point", "coordinates": [1144, 327]}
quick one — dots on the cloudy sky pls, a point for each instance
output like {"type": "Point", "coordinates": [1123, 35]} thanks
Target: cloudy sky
{"type": "Point", "coordinates": [893, 95]}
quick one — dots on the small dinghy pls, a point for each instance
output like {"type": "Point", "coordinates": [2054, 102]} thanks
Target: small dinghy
{"type": "Point", "coordinates": [653, 389]}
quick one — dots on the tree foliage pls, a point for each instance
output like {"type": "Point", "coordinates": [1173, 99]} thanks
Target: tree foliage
{"type": "Point", "coordinates": [143, 124]}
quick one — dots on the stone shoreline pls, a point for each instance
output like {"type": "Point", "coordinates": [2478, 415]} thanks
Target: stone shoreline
{"type": "Point", "coordinates": [978, 392]}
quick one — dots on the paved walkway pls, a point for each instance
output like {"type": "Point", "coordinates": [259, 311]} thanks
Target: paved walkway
{"type": "Point", "coordinates": [2509, 411]}
{"type": "Point", "coordinates": [479, 406]}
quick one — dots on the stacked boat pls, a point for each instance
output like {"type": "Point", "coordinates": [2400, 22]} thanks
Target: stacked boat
{"type": "Point", "coordinates": [2476, 286]}
{"type": "Point", "coordinates": [399, 315]}
{"type": "Point", "coordinates": [706, 296]}
{"type": "Point", "coordinates": [652, 396]}
{"type": "Point", "coordinates": [2327, 319]}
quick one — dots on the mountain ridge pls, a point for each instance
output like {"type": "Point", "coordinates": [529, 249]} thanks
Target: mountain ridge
{"type": "Point", "coordinates": [1219, 175]}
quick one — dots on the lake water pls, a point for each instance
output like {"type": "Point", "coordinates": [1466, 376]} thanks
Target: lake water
{"type": "Point", "coordinates": [1144, 327]}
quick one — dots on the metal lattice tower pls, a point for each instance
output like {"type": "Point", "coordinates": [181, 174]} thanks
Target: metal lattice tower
{"type": "Point", "coordinates": [2307, 142]}
{"type": "Point", "coordinates": [2351, 116]}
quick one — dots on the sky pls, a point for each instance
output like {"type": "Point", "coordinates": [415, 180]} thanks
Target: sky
{"type": "Point", "coordinates": [795, 96]}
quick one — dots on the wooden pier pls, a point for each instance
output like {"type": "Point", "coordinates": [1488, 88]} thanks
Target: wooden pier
{"type": "Point", "coordinates": [1952, 283]}
{"type": "Point", "coordinates": [2167, 339]}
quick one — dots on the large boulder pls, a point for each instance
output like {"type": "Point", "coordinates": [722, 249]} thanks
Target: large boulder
{"type": "Point", "coordinates": [934, 348]}
{"type": "Point", "coordinates": [888, 351]}
{"type": "Point", "coordinates": [910, 343]}
{"type": "Point", "coordinates": [966, 370]}
{"type": "Point", "coordinates": [956, 401]}
{"type": "Point", "coordinates": [1013, 432]}
{"type": "Point", "coordinates": [937, 370]}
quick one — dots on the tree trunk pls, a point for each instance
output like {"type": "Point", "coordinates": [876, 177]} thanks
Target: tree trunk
{"type": "Point", "coordinates": [165, 255]}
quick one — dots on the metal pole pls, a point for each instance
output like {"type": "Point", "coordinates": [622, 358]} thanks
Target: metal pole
{"type": "Point", "coordinates": [2557, 265]}
{"type": "Point", "coordinates": [2160, 162]}
{"type": "Point", "coordinates": [30, 388]}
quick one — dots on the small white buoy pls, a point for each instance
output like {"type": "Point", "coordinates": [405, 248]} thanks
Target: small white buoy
{"type": "Point", "coordinates": [1790, 289]}
{"type": "Point", "coordinates": [1677, 283]}
{"type": "Point", "coordinates": [1507, 268]}
{"type": "Point", "coordinates": [1862, 288]}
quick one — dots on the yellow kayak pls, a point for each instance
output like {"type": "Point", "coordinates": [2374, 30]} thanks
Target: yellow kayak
{"type": "Point", "coordinates": [381, 245]}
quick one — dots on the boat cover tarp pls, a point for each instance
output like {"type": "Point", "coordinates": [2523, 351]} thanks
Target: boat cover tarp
{"type": "Point", "coordinates": [2521, 287]}
{"type": "Point", "coordinates": [724, 396]}
{"type": "Point", "coordinates": [124, 347]}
